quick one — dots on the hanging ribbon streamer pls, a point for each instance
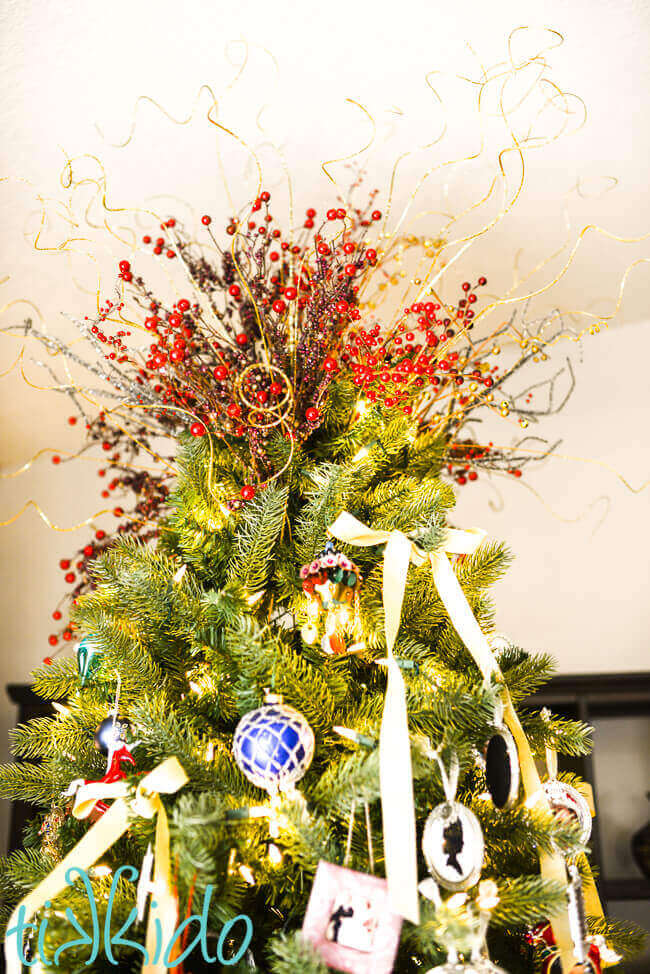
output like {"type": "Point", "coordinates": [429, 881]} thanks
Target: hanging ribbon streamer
{"type": "Point", "coordinates": [395, 771]}
{"type": "Point", "coordinates": [166, 779]}
{"type": "Point", "coordinates": [552, 867]}
{"type": "Point", "coordinates": [400, 842]}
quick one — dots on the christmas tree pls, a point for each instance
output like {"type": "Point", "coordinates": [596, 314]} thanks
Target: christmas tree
{"type": "Point", "coordinates": [302, 668]}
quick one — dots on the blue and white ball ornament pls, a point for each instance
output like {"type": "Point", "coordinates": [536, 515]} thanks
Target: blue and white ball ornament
{"type": "Point", "coordinates": [273, 746]}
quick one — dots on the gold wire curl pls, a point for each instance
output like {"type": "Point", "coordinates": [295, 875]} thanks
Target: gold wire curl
{"type": "Point", "coordinates": [357, 152]}
{"type": "Point", "coordinates": [275, 413]}
{"type": "Point", "coordinates": [75, 527]}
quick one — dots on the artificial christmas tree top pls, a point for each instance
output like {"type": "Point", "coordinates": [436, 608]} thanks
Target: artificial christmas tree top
{"type": "Point", "coordinates": [295, 539]}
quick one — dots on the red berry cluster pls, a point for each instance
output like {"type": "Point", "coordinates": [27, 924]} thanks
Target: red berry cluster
{"type": "Point", "coordinates": [159, 244]}
{"type": "Point", "coordinates": [306, 288]}
{"type": "Point", "coordinates": [119, 351]}
{"type": "Point", "coordinates": [393, 369]}
{"type": "Point", "coordinates": [150, 491]}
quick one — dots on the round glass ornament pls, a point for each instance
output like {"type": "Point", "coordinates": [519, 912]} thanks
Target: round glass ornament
{"type": "Point", "coordinates": [273, 746]}
{"type": "Point", "coordinates": [112, 732]}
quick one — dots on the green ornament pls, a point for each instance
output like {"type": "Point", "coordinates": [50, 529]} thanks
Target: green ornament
{"type": "Point", "coordinates": [88, 659]}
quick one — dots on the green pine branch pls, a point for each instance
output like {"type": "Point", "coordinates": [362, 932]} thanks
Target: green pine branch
{"type": "Point", "coordinates": [292, 954]}
{"type": "Point", "coordinates": [256, 537]}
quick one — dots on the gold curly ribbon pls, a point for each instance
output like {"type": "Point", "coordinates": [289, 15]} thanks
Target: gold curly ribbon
{"type": "Point", "coordinates": [166, 779]}
{"type": "Point", "coordinates": [54, 527]}
{"type": "Point", "coordinates": [357, 152]}
{"type": "Point", "coordinates": [396, 785]}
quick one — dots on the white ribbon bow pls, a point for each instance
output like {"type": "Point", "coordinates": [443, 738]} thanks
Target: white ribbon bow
{"type": "Point", "coordinates": [395, 770]}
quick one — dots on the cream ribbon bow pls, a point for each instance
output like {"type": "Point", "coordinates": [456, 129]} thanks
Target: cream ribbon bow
{"type": "Point", "coordinates": [396, 783]}
{"type": "Point", "coordinates": [166, 779]}
{"type": "Point", "coordinates": [395, 770]}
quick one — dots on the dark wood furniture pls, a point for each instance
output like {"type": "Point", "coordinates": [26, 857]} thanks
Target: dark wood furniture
{"type": "Point", "coordinates": [29, 706]}
{"type": "Point", "coordinates": [589, 698]}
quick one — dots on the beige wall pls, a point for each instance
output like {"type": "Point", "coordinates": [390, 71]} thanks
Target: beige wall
{"type": "Point", "coordinates": [579, 533]}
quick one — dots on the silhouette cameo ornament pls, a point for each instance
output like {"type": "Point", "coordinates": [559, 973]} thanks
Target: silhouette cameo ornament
{"type": "Point", "coordinates": [452, 841]}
